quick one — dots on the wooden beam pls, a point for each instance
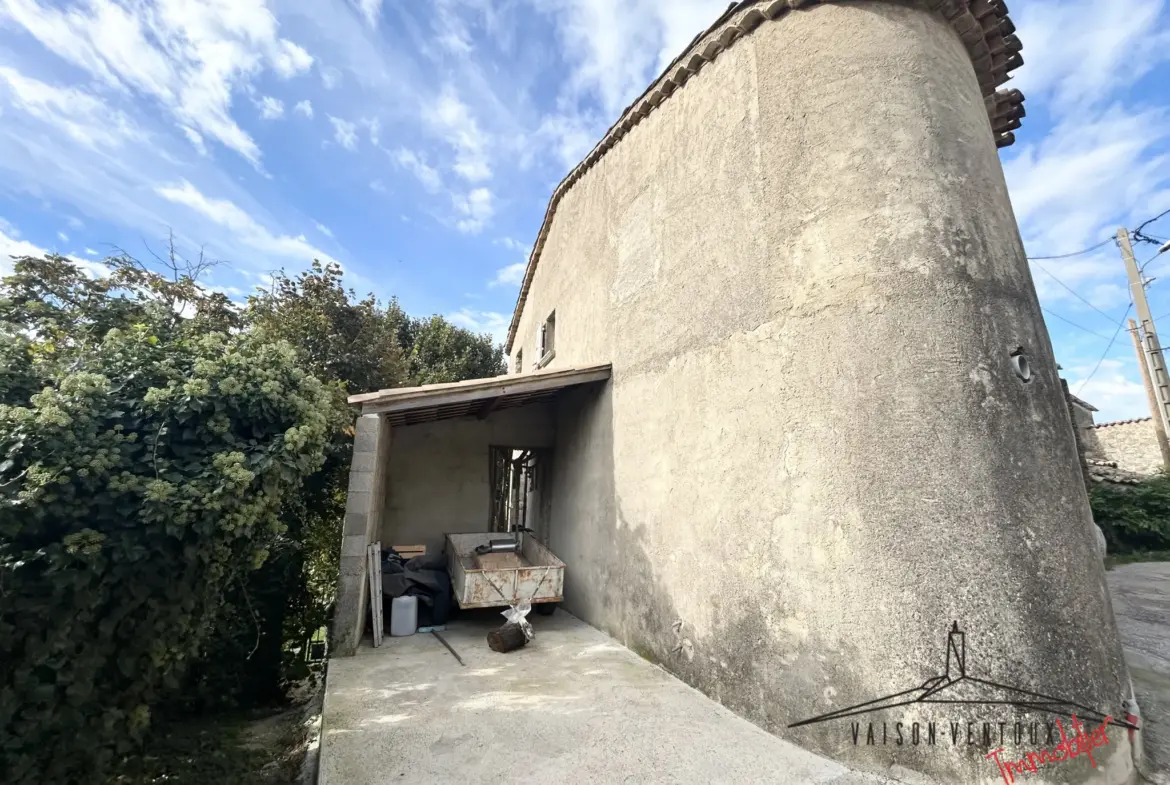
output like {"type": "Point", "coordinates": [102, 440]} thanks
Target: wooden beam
{"type": "Point", "coordinates": [390, 401]}
{"type": "Point", "coordinates": [489, 406]}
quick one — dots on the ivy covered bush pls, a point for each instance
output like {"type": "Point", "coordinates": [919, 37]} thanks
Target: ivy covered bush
{"type": "Point", "coordinates": [144, 461]}
{"type": "Point", "coordinates": [1134, 518]}
{"type": "Point", "coordinates": [172, 487]}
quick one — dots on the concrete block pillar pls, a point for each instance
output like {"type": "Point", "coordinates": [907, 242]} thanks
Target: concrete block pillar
{"type": "Point", "coordinates": [363, 519]}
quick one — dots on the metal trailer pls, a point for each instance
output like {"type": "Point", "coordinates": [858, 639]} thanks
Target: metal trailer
{"type": "Point", "coordinates": [491, 580]}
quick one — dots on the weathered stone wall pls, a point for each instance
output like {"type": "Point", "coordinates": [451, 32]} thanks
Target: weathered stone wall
{"type": "Point", "coordinates": [1132, 445]}
{"type": "Point", "coordinates": [438, 473]}
{"type": "Point", "coordinates": [814, 453]}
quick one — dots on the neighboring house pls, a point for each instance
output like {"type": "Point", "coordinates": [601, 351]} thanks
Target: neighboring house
{"type": "Point", "coordinates": [1082, 412]}
{"type": "Point", "coordinates": [1131, 444]}
{"type": "Point", "coordinates": [1125, 451]}
{"type": "Point", "coordinates": [779, 346]}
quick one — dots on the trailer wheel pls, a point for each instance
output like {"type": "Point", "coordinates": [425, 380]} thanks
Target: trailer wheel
{"type": "Point", "coordinates": [546, 608]}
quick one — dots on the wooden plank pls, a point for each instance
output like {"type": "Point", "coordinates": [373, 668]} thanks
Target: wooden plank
{"type": "Point", "coordinates": [502, 382]}
{"type": "Point", "coordinates": [408, 552]}
{"type": "Point", "coordinates": [488, 407]}
{"type": "Point", "coordinates": [392, 401]}
{"type": "Point", "coordinates": [374, 554]}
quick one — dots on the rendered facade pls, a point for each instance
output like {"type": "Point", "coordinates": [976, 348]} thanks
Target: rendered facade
{"type": "Point", "coordinates": [833, 424]}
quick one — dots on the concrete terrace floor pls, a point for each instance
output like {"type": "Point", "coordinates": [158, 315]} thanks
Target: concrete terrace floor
{"type": "Point", "coordinates": [1141, 603]}
{"type": "Point", "coordinates": [572, 706]}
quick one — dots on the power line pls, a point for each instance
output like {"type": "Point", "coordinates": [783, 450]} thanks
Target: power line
{"type": "Point", "coordinates": [1074, 294]}
{"type": "Point", "coordinates": [1142, 267]}
{"type": "Point", "coordinates": [1104, 242]}
{"type": "Point", "coordinates": [1074, 324]}
{"type": "Point", "coordinates": [1158, 217]}
{"type": "Point", "coordinates": [1116, 333]}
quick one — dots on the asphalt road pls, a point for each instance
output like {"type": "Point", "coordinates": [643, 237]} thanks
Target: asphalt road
{"type": "Point", "coordinates": [1141, 602]}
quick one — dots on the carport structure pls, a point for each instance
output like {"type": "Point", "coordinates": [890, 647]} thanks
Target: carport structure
{"type": "Point", "coordinates": [423, 467]}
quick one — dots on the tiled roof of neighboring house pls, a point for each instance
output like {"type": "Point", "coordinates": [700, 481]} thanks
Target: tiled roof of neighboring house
{"type": "Point", "coordinates": [984, 26]}
{"type": "Point", "coordinates": [1107, 471]}
{"type": "Point", "coordinates": [1122, 422]}
{"type": "Point", "coordinates": [1083, 404]}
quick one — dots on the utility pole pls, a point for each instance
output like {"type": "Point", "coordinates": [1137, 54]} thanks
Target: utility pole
{"type": "Point", "coordinates": [1144, 366]}
{"type": "Point", "coordinates": [1154, 364]}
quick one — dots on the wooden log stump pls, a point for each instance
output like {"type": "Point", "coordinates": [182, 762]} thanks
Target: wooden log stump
{"type": "Point", "coordinates": [507, 638]}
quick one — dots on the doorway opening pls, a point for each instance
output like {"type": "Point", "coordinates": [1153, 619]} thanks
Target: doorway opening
{"type": "Point", "coordinates": [516, 481]}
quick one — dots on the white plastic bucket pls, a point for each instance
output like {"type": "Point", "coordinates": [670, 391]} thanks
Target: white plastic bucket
{"type": "Point", "coordinates": [403, 616]}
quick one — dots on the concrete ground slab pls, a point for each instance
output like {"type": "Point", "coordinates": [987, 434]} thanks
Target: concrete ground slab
{"type": "Point", "coordinates": [1141, 603]}
{"type": "Point", "coordinates": [572, 706]}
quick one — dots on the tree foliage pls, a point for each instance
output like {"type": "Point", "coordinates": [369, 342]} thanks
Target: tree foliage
{"type": "Point", "coordinates": [141, 480]}
{"type": "Point", "coordinates": [358, 345]}
{"type": "Point", "coordinates": [1134, 518]}
{"type": "Point", "coordinates": [172, 486]}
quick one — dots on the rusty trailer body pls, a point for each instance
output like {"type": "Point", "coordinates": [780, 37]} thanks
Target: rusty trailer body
{"type": "Point", "coordinates": [495, 579]}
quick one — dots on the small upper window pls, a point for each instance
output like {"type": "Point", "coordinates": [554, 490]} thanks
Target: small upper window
{"type": "Point", "coordinates": [548, 335]}
{"type": "Point", "coordinates": [519, 367]}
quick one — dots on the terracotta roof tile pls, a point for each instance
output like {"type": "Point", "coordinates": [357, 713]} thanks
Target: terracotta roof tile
{"type": "Point", "coordinates": [1122, 422]}
{"type": "Point", "coordinates": [1107, 471]}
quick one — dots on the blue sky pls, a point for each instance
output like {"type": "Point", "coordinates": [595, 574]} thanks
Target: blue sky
{"type": "Point", "coordinates": [418, 142]}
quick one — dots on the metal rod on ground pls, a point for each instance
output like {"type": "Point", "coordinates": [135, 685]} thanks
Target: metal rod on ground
{"type": "Point", "coordinates": [443, 641]}
{"type": "Point", "coordinates": [1159, 428]}
{"type": "Point", "coordinates": [1152, 349]}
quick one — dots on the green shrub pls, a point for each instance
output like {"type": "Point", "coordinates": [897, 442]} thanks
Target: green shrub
{"type": "Point", "coordinates": [1134, 518]}
{"type": "Point", "coordinates": [136, 489]}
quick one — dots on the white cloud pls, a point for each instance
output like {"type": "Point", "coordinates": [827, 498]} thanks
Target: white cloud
{"type": "Point", "coordinates": [475, 210]}
{"type": "Point", "coordinates": [196, 139]}
{"type": "Point", "coordinates": [454, 122]}
{"type": "Point", "coordinates": [11, 245]}
{"type": "Point", "coordinates": [83, 117]}
{"type": "Point", "coordinates": [245, 228]}
{"type": "Point", "coordinates": [374, 127]}
{"type": "Point", "coordinates": [1113, 389]}
{"type": "Point", "coordinates": [91, 252]}
{"type": "Point", "coordinates": [1078, 51]}
{"type": "Point", "coordinates": [514, 245]}
{"type": "Point", "coordinates": [571, 136]}
{"type": "Point", "coordinates": [62, 237]}
{"type": "Point", "coordinates": [496, 324]}
{"type": "Point", "coordinates": [304, 107]}
{"type": "Point", "coordinates": [331, 78]}
{"type": "Point", "coordinates": [74, 223]}
{"type": "Point", "coordinates": [1093, 170]}
{"type": "Point", "coordinates": [426, 175]}
{"type": "Point", "coordinates": [190, 57]}
{"type": "Point", "coordinates": [616, 47]}
{"type": "Point", "coordinates": [344, 132]}
{"type": "Point", "coordinates": [323, 229]}
{"type": "Point", "coordinates": [378, 186]}
{"type": "Point", "coordinates": [512, 275]}
{"type": "Point", "coordinates": [270, 108]}
{"type": "Point", "coordinates": [370, 10]}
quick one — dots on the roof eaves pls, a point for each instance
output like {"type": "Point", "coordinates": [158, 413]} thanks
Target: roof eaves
{"type": "Point", "coordinates": [1123, 422]}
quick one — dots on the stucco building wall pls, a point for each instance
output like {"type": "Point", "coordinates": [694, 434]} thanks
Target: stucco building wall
{"type": "Point", "coordinates": [437, 475]}
{"type": "Point", "coordinates": [814, 453]}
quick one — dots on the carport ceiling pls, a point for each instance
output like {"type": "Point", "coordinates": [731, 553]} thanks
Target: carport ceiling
{"type": "Point", "coordinates": [474, 397]}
